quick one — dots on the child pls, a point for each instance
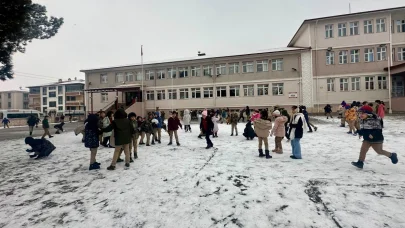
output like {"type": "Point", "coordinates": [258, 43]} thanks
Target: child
{"type": "Point", "coordinates": [91, 139]}
{"type": "Point", "coordinates": [207, 128]}
{"type": "Point", "coordinates": [297, 126]}
{"type": "Point", "coordinates": [328, 111]}
{"type": "Point", "coordinates": [160, 125]}
{"type": "Point", "coordinates": [155, 123]}
{"type": "Point", "coordinates": [255, 116]}
{"type": "Point", "coordinates": [341, 114]}
{"type": "Point", "coordinates": [186, 120]}
{"type": "Point", "coordinates": [303, 110]}
{"type": "Point", "coordinates": [351, 117]}
{"type": "Point", "coordinates": [32, 121]}
{"type": "Point", "coordinates": [147, 130]}
{"type": "Point", "coordinates": [234, 122]}
{"type": "Point", "coordinates": [262, 128]}
{"type": "Point", "coordinates": [381, 112]}
{"type": "Point", "coordinates": [105, 122]}
{"type": "Point", "coordinates": [173, 125]}
{"type": "Point", "coordinates": [215, 120]}
{"type": "Point", "coordinates": [371, 130]}
{"type": "Point", "coordinates": [6, 122]}
{"type": "Point", "coordinates": [135, 135]}
{"type": "Point", "coordinates": [140, 120]}
{"type": "Point", "coordinates": [287, 123]}
{"type": "Point", "coordinates": [40, 147]}
{"type": "Point", "coordinates": [278, 130]}
{"type": "Point", "coordinates": [123, 131]}
{"type": "Point", "coordinates": [249, 133]}
{"type": "Point", "coordinates": [45, 126]}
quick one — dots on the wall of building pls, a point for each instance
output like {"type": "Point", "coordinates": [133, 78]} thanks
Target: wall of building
{"type": "Point", "coordinates": [16, 100]}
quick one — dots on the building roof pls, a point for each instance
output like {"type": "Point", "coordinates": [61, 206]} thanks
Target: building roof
{"type": "Point", "coordinates": [22, 90]}
{"type": "Point", "coordinates": [274, 50]}
{"type": "Point", "coordinates": [78, 81]}
{"type": "Point", "coordinates": [339, 16]}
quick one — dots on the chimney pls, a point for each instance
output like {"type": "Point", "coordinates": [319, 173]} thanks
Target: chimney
{"type": "Point", "coordinates": [60, 80]}
{"type": "Point", "coordinates": [69, 79]}
{"type": "Point", "coordinates": [75, 78]}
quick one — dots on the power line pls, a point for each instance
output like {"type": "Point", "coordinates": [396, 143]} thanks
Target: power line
{"type": "Point", "coordinates": [41, 75]}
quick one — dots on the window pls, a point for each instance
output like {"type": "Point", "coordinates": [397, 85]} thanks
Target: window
{"type": "Point", "coordinates": [368, 26]}
{"type": "Point", "coordinates": [207, 71]}
{"type": "Point", "coordinates": [221, 91]}
{"type": "Point", "coordinates": [208, 92]}
{"type": "Point", "coordinates": [381, 53]}
{"type": "Point", "coordinates": [161, 95]}
{"type": "Point", "coordinates": [221, 69]}
{"type": "Point", "coordinates": [60, 100]}
{"type": "Point", "coordinates": [247, 67]}
{"type": "Point", "coordinates": [278, 89]}
{"type": "Point", "coordinates": [354, 28]}
{"type": "Point", "coordinates": [150, 75]}
{"type": "Point", "coordinates": [401, 54]}
{"type": "Point", "coordinates": [277, 64]}
{"type": "Point", "coordinates": [60, 90]}
{"type": "Point", "coordinates": [233, 68]}
{"type": "Point", "coordinates": [52, 94]}
{"type": "Point", "coordinates": [171, 72]}
{"type": "Point", "coordinates": [330, 57]}
{"type": "Point", "coordinates": [369, 83]}
{"type": "Point", "coordinates": [74, 88]}
{"type": "Point", "coordinates": [368, 55]}
{"type": "Point", "coordinates": [381, 25]}
{"type": "Point", "coordinates": [150, 95]}
{"type": "Point", "coordinates": [330, 82]}
{"type": "Point", "coordinates": [234, 91]}
{"type": "Point", "coordinates": [400, 25]}
{"type": "Point", "coordinates": [342, 57]}
{"type": "Point", "coordinates": [344, 84]}
{"type": "Point", "coordinates": [129, 77]}
{"type": "Point", "coordinates": [44, 91]}
{"type": "Point", "coordinates": [263, 89]}
{"type": "Point", "coordinates": [44, 101]}
{"type": "Point", "coordinates": [52, 88]}
{"type": "Point", "coordinates": [172, 94]}
{"type": "Point", "coordinates": [60, 108]}
{"type": "Point", "coordinates": [139, 76]}
{"type": "Point", "coordinates": [9, 95]}
{"type": "Point", "coordinates": [183, 72]}
{"type": "Point", "coordinates": [103, 78]}
{"type": "Point", "coordinates": [160, 74]}
{"type": "Point", "coordinates": [195, 93]}
{"type": "Point", "coordinates": [35, 90]}
{"type": "Point", "coordinates": [195, 71]}
{"type": "Point", "coordinates": [25, 106]}
{"type": "Point", "coordinates": [355, 84]}
{"type": "Point", "coordinates": [70, 98]}
{"type": "Point", "coordinates": [328, 31]}
{"type": "Point", "coordinates": [248, 90]}
{"type": "Point", "coordinates": [382, 82]}
{"type": "Point", "coordinates": [342, 31]}
{"type": "Point", "coordinates": [119, 77]}
{"type": "Point", "coordinates": [262, 66]}
{"type": "Point", "coordinates": [104, 97]}
{"type": "Point", "coordinates": [354, 56]}
{"type": "Point", "coordinates": [184, 93]}
{"type": "Point", "coordinates": [52, 104]}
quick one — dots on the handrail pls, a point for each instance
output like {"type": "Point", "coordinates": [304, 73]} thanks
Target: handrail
{"type": "Point", "coordinates": [108, 106]}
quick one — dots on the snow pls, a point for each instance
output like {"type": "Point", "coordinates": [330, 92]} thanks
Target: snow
{"type": "Point", "coordinates": [188, 186]}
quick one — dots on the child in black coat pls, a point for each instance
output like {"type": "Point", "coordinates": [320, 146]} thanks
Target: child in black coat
{"type": "Point", "coordinates": [249, 133]}
{"type": "Point", "coordinates": [40, 147]}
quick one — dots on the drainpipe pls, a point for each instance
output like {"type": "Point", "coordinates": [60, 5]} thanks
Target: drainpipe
{"type": "Point", "coordinates": [389, 66]}
{"type": "Point", "coordinates": [316, 64]}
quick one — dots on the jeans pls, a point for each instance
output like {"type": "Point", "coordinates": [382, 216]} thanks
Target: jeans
{"type": "Point", "coordinates": [296, 148]}
{"type": "Point", "coordinates": [207, 138]}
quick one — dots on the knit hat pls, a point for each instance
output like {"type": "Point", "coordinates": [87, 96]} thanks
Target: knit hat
{"type": "Point", "coordinates": [366, 109]}
{"type": "Point", "coordinates": [276, 113]}
{"type": "Point", "coordinates": [204, 113]}
{"type": "Point", "coordinates": [343, 103]}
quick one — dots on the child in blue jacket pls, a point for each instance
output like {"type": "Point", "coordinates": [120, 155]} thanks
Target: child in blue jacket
{"type": "Point", "coordinates": [6, 122]}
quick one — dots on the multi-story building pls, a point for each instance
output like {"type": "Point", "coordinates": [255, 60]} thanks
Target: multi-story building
{"type": "Point", "coordinates": [359, 56]}
{"type": "Point", "coordinates": [14, 99]}
{"type": "Point", "coordinates": [63, 97]}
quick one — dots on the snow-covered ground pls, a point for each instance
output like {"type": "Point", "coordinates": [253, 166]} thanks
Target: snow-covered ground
{"type": "Point", "coordinates": [189, 186]}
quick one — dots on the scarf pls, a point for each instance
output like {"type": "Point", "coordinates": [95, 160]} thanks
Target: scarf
{"type": "Point", "coordinates": [294, 120]}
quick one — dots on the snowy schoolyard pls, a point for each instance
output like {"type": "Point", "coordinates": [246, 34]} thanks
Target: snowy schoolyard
{"type": "Point", "coordinates": [188, 186]}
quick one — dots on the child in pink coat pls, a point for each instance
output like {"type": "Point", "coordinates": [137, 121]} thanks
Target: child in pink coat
{"type": "Point", "coordinates": [278, 130]}
{"type": "Point", "coordinates": [255, 116]}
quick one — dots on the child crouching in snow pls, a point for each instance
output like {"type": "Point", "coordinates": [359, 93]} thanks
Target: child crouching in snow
{"type": "Point", "coordinates": [279, 131]}
{"type": "Point", "coordinates": [91, 139]}
{"type": "Point", "coordinates": [371, 130]}
{"type": "Point", "coordinates": [262, 128]}
{"type": "Point", "coordinates": [40, 147]}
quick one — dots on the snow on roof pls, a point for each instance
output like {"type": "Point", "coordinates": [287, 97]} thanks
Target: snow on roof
{"type": "Point", "coordinates": [79, 81]}
{"type": "Point", "coordinates": [273, 50]}
{"type": "Point", "coordinates": [24, 90]}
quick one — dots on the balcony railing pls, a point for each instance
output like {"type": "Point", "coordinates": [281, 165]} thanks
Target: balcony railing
{"type": "Point", "coordinates": [74, 103]}
{"type": "Point", "coordinates": [34, 95]}
{"type": "Point", "coordinates": [74, 93]}
{"type": "Point", "coordinates": [34, 105]}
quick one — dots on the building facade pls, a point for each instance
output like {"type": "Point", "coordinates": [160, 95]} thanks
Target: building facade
{"type": "Point", "coordinates": [63, 97]}
{"type": "Point", "coordinates": [14, 99]}
{"type": "Point", "coordinates": [352, 57]}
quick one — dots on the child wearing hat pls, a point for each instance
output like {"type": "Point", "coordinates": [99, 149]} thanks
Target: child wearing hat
{"type": "Point", "coordinates": [278, 130]}
{"type": "Point", "coordinates": [207, 128]}
{"type": "Point", "coordinates": [371, 131]}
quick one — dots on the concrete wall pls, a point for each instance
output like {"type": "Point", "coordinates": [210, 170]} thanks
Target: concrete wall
{"type": "Point", "coordinates": [16, 100]}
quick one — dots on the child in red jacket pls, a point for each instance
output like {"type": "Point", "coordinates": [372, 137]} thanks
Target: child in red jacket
{"type": "Point", "coordinates": [173, 126]}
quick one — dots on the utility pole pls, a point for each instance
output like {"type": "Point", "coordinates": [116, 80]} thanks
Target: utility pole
{"type": "Point", "coordinates": [350, 8]}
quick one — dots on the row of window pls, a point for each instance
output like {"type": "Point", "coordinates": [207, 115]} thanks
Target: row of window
{"type": "Point", "coordinates": [195, 71]}
{"type": "Point", "coordinates": [8, 105]}
{"type": "Point", "coordinates": [368, 55]}
{"type": "Point", "coordinates": [8, 95]}
{"type": "Point", "coordinates": [368, 27]}
{"type": "Point", "coordinates": [354, 83]}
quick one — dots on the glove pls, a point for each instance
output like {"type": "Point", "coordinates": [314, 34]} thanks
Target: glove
{"type": "Point", "coordinates": [28, 150]}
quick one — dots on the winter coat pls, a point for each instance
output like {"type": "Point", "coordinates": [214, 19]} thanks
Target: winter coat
{"type": "Point", "coordinates": [159, 118]}
{"type": "Point", "coordinates": [32, 121]}
{"type": "Point", "coordinates": [173, 124]}
{"type": "Point", "coordinates": [224, 114]}
{"type": "Point", "coordinates": [262, 127]}
{"type": "Point", "coordinates": [255, 116]}
{"type": "Point", "coordinates": [106, 122]}
{"type": "Point", "coordinates": [234, 118]}
{"type": "Point", "coordinates": [328, 109]}
{"type": "Point", "coordinates": [209, 126]}
{"type": "Point", "coordinates": [297, 126]}
{"type": "Point", "coordinates": [186, 117]}
{"type": "Point", "coordinates": [371, 126]}
{"type": "Point", "coordinates": [42, 146]}
{"type": "Point", "coordinates": [248, 131]}
{"type": "Point", "coordinates": [279, 126]}
{"type": "Point", "coordinates": [146, 127]}
{"type": "Point", "coordinates": [123, 128]}
{"type": "Point", "coordinates": [135, 126]}
{"type": "Point", "coordinates": [381, 111]}
{"type": "Point", "coordinates": [215, 121]}
{"type": "Point", "coordinates": [45, 123]}
{"type": "Point", "coordinates": [5, 121]}
{"type": "Point", "coordinates": [91, 132]}
{"type": "Point", "coordinates": [351, 114]}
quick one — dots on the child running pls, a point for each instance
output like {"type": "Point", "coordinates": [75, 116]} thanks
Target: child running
{"type": "Point", "coordinates": [371, 130]}
{"type": "Point", "coordinates": [262, 128]}
{"type": "Point", "coordinates": [207, 128]}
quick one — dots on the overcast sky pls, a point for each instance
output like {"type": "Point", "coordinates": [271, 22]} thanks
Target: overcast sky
{"type": "Point", "coordinates": [101, 33]}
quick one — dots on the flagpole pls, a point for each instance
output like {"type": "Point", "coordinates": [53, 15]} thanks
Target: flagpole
{"type": "Point", "coordinates": [143, 76]}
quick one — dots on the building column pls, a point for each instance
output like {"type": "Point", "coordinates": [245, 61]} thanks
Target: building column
{"type": "Point", "coordinates": [306, 79]}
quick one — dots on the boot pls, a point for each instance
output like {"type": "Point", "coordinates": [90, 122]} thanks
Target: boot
{"type": "Point", "coordinates": [316, 128]}
{"type": "Point", "coordinates": [119, 160]}
{"type": "Point", "coordinates": [127, 165]}
{"type": "Point", "coordinates": [199, 137]}
{"type": "Point", "coordinates": [159, 141]}
{"type": "Point", "coordinates": [111, 167]}
{"type": "Point", "coordinates": [30, 133]}
{"type": "Point", "coordinates": [268, 156]}
{"type": "Point", "coordinates": [394, 158]}
{"type": "Point", "coordinates": [359, 164]}
{"type": "Point", "coordinates": [279, 151]}
{"type": "Point", "coordinates": [232, 134]}
{"type": "Point", "coordinates": [135, 155]}
{"type": "Point", "coordinates": [342, 125]}
{"type": "Point", "coordinates": [51, 136]}
{"type": "Point", "coordinates": [94, 166]}
{"type": "Point", "coordinates": [170, 143]}
{"type": "Point", "coordinates": [261, 153]}
{"type": "Point", "coordinates": [130, 159]}
{"type": "Point", "coordinates": [178, 144]}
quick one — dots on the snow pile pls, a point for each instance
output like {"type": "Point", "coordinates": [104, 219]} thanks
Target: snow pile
{"type": "Point", "coordinates": [188, 186]}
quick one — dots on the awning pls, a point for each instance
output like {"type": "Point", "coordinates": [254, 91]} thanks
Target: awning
{"type": "Point", "coordinates": [397, 69]}
{"type": "Point", "coordinates": [123, 87]}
